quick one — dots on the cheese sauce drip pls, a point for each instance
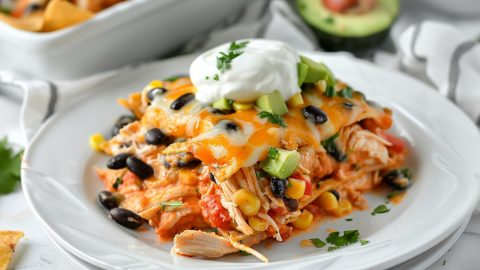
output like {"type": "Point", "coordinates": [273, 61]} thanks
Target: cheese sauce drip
{"type": "Point", "coordinates": [226, 150]}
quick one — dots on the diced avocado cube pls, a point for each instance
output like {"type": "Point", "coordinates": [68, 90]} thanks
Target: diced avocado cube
{"type": "Point", "coordinates": [241, 106]}
{"type": "Point", "coordinates": [222, 104]}
{"type": "Point", "coordinates": [296, 100]}
{"type": "Point", "coordinates": [284, 164]}
{"type": "Point", "coordinates": [302, 70]}
{"type": "Point", "coordinates": [317, 72]}
{"type": "Point", "coordinates": [272, 103]}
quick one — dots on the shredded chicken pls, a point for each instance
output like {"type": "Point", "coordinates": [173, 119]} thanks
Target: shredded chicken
{"type": "Point", "coordinates": [209, 245]}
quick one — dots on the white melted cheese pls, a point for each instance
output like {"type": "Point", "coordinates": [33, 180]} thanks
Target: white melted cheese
{"type": "Point", "coordinates": [263, 67]}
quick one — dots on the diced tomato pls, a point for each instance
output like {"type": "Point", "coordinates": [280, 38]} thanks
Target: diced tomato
{"type": "Point", "coordinates": [277, 211]}
{"type": "Point", "coordinates": [398, 145]}
{"type": "Point", "coordinates": [339, 5]}
{"type": "Point", "coordinates": [214, 212]}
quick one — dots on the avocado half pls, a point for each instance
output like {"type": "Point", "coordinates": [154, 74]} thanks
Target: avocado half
{"type": "Point", "coordinates": [349, 32]}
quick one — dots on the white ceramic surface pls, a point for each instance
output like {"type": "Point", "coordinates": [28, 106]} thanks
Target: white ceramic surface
{"type": "Point", "coordinates": [61, 188]}
{"type": "Point", "coordinates": [127, 33]}
{"type": "Point", "coordinates": [420, 262]}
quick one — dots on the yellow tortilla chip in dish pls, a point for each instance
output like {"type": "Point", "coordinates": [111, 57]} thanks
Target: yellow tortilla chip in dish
{"type": "Point", "coordinates": [60, 14]}
{"type": "Point", "coordinates": [8, 242]}
{"type": "Point", "coordinates": [32, 22]}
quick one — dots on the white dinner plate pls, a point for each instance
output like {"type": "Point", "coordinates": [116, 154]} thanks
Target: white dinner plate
{"type": "Point", "coordinates": [420, 262]}
{"type": "Point", "coordinates": [61, 187]}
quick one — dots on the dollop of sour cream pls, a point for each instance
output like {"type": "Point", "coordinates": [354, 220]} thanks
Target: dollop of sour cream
{"type": "Point", "coordinates": [263, 67]}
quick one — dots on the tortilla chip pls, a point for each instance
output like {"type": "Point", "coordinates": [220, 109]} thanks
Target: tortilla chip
{"type": "Point", "coordinates": [8, 242]}
{"type": "Point", "coordinates": [32, 22]}
{"type": "Point", "coordinates": [60, 14]}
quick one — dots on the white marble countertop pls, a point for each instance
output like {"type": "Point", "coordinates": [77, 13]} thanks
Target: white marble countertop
{"type": "Point", "coordinates": [37, 252]}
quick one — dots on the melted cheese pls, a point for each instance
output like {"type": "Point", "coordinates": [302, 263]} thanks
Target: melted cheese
{"type": "Point", "coordinates": [218, 148]}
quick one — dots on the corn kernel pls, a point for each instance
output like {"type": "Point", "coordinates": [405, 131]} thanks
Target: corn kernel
{"type": "Point", "coordinates": [155, 84]}
{"type": "Point", "coordinates": [248, 202]}
{"type": "Point", "coordinates": [257, 223]}
{"type": "Point", "coordinates": [295, 189]}
{"type": "Point", "coordinates": [240, 106]}
{"type": "Point", "coordinates": [95, 141]}
{"type": "Point", "coordinates": [296, 100]}
{"type": "Point", "coordinates": [304, 220]}
{"type": "Point", "coordinates": [344, 208]}
{"type": "Point", "coordinates": [328, 201]}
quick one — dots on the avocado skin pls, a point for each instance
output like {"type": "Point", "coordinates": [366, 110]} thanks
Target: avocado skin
{"type": "Point", "coordinates": [333, 43]}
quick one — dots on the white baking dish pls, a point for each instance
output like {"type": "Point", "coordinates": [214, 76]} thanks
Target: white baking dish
{"type": "Point", "coordinates": [127, 33]}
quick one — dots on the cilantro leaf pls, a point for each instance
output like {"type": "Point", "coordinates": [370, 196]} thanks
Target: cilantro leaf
{"type": "Point", "coordinates": [170, 205]}
{"type": "Point", "coordinates": [381, 209]}
{"type": "Point", "coordinates": [9, 167]}
{"type": "Point", "coordinates": [317, 242]}
{"type": "Point", "coordinates": [364, 242]}
{"type": "Point", "coordinates": [348, 238]}
{"type": "Point", "coordinates": [236, 46]}
{"type": "Point", "coordinates": [348, 219]}
{"type": "Point", "coordinates": [215, 77]}
{"type": "Point", "coordinates": [273, 153]}
{"type": "Point", "coordinates": [117, 183]}
{"type": "Point", "coordinates": [272, 118]}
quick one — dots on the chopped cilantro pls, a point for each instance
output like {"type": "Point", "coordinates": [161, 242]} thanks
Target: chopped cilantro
{"type": "Point", "coordinates": [117, 183]}
{"type": "Point", "coordinates": [5, 10]}
{"type": "Point", "coordinates": [406, 172]}
{"type": "Point", "coordinates": [348, 219]}
{"type": "Point", "coordinates": [224, 59]}
{"type": "Point", "coordinates": [170, 205]}
{"type": "Point", "coordinates": [272, 118]}
{"type": "Point", "coordinates": [330, 91]}
{"type": "Point", "coordinates": [207, 77]}
{"type": "Point", "coordinates": [364, 242]}
{"type": "Point", "coordinates": [215, 230]}
{"type": "Point", "coordinates": [243, 253]}
{"type": "Point", "coordinates": [273, 153]}
{"type": "Point", "coordinates": [346, 92]}
{"type": "Point", "coordinates": [381, 209]}
{"type": "Point", "coordinates": [338, 241]}
{"type": "Point", "coordinates": [9, 167]}
{"type": "Point", "coordinates": [444, 262]}
{"type": "Point", "coordinates": [215, 77]}
{"type": "Point", "coordinates": [317, 242]}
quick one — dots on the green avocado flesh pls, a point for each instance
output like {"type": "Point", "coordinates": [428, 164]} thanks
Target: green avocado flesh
{"type": "Point", "coordinates": [283, 166]}
{"type": "Point", "coordinates": [272, 103]}
{"type": "Point", "coordinates": [374, 21]}
{"type": "Point", "coordinates": [222, 104]}
{"type": "Point", "coordinates": [317, 71]}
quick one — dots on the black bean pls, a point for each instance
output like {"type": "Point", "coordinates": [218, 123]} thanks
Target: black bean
{"type": "Point", "coordinates": [278, 186]}
{"type": "Point", "coordinates": [139, 168]}
{"type": "Point", "coordinates": [126, 218]}
{"type": "Point", "coordinates": [314, 114]}
{"type": "Point", "coordinates": [107, 199]}
{"type": "Point", "coordinates": [231, 126]}
{"type": "Point", "coordinates": [218, 111]}
{"type": "Point", "coordinates": [335, 193]}
{"type": "Point", "coordinates": [182, 101]}
{"type": "Point", "coordinates": [291, 204]}
{"type": "Point", "coordinates": [118, 162]}
{"type": "Point", "coordinates": [190, 163]}
{"type": "Point", "coordinates": [397, 180]}
{"type": "Point", "coordinates": [156, 137]}
{"type": "Point", "coordinates": [167, 165]}
{"type": "Point", "coordinates": [212, 178]}
{"type": "Point", "coordinates": [348, 105]}
{"type": "Point", "coordinates": [32, 8]}
{"type": "Point", "coordinates": [121, 122]}
{"type": "Point", "coordinates": [158, 91]}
